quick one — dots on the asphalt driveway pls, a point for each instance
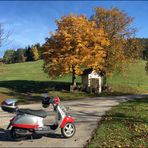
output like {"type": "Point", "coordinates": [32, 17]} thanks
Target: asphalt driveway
{"type": "Point", "coordinates": [87, 113]}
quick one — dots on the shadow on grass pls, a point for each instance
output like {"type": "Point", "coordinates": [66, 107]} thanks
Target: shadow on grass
{"type": "Point", "coordinates": [24, 98]}
{"type": "Point", "coordinates": [116, 93]}
{"type": "Point", "coordinates": [133, 117]}
{"type": "Point", "coordinates": [28, 90]}
{"type": "Point", "coordinates": [23, 89]}
{"type": "Point", "coordinates": [29, 86]}
{"type": "Point", "coordinates": [26, 86]}
{"type": "Point", "coordinates": [136, 101]}
{"type": "Point", "coordinates": [122, 117]}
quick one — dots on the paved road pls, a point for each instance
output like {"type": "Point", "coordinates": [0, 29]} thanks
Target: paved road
{"type": "Point", "coordinates": [87, 113]}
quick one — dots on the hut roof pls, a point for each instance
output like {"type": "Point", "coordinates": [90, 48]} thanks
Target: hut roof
{"type": "Point", "coordinates": [87, 71]}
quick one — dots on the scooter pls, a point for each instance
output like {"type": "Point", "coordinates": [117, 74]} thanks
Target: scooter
{"type": "Point", "coordinates": [28, 122]}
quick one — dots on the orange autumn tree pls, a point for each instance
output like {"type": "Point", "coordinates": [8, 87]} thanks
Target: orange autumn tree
{"type": "Point", "coordinates": [76, 44]}
{"type": "Point", "coordinates": [124, 48]}
{"type": "Point", "coordinates": [34, 53]}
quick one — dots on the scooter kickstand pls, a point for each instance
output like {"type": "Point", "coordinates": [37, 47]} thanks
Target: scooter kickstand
{"type": "Point", "coordinates": [31, 136]}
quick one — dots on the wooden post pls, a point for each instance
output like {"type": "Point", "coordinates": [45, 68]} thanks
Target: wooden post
{"type": "Point", "coordinates": [100, 85]}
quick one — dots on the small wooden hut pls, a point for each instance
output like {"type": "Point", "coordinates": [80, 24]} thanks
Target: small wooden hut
{"type": "Point", "coordinates": [92, 81]}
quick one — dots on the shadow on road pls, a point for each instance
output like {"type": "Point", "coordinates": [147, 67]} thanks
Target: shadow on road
{"type": "Point", "coordinates": [5, 136]}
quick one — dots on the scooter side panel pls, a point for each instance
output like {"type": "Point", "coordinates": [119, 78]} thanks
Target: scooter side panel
{"type": "Point", "coordinates": [28, 121]}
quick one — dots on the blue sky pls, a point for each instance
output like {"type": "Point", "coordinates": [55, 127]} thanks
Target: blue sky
{"type": "Point", "coordinates": [31, 21]}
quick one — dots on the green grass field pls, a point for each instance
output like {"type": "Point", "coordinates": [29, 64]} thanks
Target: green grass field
{"type": "Point", "coordinates": [125, 125]}
{"type": "Point", "coordinates": [26, 71]}
{"type": "Point", "coordinates": [28, 81]}
{"type": "Point", "coordinates": [134, 81]}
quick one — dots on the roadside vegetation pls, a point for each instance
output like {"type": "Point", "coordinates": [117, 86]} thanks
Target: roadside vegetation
{"type": "Point", "coordinates": [125, 125]}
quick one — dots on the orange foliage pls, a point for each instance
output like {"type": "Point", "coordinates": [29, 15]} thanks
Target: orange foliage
{"type": "Point", "coordinates": [105, 43]}
{"type": "Point", "coordinates": [77, 43]}
{"type": "Point", "coordinates": [123, 48]}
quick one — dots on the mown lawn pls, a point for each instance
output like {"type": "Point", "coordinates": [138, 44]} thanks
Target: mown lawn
{"type": "Point", "coordinates": [125, 125]}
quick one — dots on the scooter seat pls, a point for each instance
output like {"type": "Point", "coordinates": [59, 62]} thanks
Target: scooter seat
{"type": "Point", "coordinates": [40, 113]}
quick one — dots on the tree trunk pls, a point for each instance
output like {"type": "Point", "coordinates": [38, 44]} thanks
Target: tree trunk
{"type": "Point", "coordinates": [73, 86]}
{"type": "Point", "coordinates": [105, 80]}
{"type": "Point", "coordinates": [73, 76]}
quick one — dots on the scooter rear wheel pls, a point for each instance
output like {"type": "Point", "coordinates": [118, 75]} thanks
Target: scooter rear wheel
{"type": "Point", "coordinates": [68, 130]}
{"type": "Point", "coordinates": [16, 136]}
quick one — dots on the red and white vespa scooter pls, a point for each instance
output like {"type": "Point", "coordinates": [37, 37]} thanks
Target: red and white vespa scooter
{"type": "Point", "coordinates": [29, 122]}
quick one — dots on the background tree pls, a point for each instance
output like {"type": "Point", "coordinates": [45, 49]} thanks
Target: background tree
{"type": "Point", "coordinates": [9, 56]}
{"type": "Point", "coordinates": [144, 42]}
{"type": "Point", "coordinates": [28, 54]}
{"type": "Point", "coordinates": [20, 55]}
{"type": "Point", "coordinates": [77, 43]}
{"type": "Point", "coordinates": [39, 48]}
{"type": "Point", "coordinates": [123, 48]}
{"type": "Point", "coordinates": [34, 53]}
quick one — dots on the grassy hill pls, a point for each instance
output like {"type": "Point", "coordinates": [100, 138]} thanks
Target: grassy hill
{"type": "Point", "coordinates": [135, 80]}
{"type": "Point", "coordinates": [26, 71]}
{"type": "Point", "coordinates": [27, 80]}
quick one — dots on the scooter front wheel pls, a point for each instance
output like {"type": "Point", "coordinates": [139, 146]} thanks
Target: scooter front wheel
{"type": "Point", "coordinates": [16, 136]}
{"type": "Point", "coordinates": [68, 130]}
